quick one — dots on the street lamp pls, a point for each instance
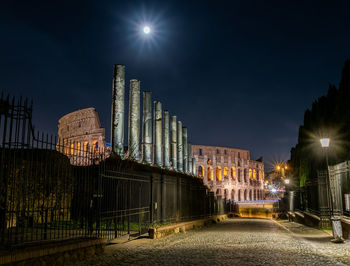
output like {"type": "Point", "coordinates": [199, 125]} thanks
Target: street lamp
{"type": "Point", "coordinates": [336, 225]}
{"type": "Point", "coordinates": [324, 142]}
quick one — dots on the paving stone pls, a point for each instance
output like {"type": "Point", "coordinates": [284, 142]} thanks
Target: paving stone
{"type": "Point", "coordinates": [232, 242]}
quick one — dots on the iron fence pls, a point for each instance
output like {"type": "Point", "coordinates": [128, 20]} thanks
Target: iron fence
{"type": "Point", "coordinates": [53, 189]}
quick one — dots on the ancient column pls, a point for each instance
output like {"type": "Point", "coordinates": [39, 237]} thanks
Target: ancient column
{"type": "Point", "coordinates": [158, 133]}
{"type": "Point", "coordinates": [185, 149]}
{"type": "Point", "coordinates": [189, 158]}
{"type": "Point", "coordinates": [147, 127]}
{"type": "Point", "coordinates": [194, 168]}
{"type": "Point", "coordinates": [166, 139]}
{"type": "Point", "coordinates": [179, 147]}
{"type": "Point", "coordinates": [173, 126]}
{"type": "Point", "coordinates": [117, 123]}
{"type": "Point", "coordinates": [134, 120]}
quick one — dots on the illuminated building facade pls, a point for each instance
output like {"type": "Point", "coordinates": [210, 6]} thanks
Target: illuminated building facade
{"type": "Point", "coordinates": [229, 172]}
{"type": "Point", "coordinates": [81, 136]}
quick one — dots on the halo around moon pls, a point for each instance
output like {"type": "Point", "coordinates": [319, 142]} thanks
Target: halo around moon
{"type": "Point", "coordinates": [146, 29]}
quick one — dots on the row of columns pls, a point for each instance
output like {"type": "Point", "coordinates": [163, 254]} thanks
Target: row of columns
{"type": "Point", "coordinates": [164, 145]}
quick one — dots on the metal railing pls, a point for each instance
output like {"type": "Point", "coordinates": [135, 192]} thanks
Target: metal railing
{"type": "Point", "coordinates": [53, 190]}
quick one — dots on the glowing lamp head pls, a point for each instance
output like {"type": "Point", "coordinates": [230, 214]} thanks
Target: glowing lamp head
{"type": "Point", "coordinates": [286, 181]}
{"type": "Point", "coordinates": [146, 30]}
{"type": "Point", "coordinates": [324, 142]}
{"type": "Point", "coordinates": [273, 190]}
{"type": "Point", "coordinates": [278, 167]}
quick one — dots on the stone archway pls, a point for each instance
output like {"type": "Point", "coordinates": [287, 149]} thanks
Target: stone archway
{"type": "Point", "coordinates": [233, 173]}
{"type": "Point", "coordinates": [226, 172]}
{"type": "Point", "coordinates": [201, 171]}
{"type": "Point", "coordinates": [210, 173]}
{"type": "Point", "coordinates": [218, 173]}
{"type": "Point", "coordinates": [233, 195]}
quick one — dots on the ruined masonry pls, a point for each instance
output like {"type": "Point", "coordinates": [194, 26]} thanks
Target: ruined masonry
{"type": "Point", "coordinates": [165, 144]}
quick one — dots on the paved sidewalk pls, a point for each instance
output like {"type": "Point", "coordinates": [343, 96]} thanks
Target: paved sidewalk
{"type": "Point", "coordinates": [319, 240]}
{"type": "Point", "coordinates": [232, 242]}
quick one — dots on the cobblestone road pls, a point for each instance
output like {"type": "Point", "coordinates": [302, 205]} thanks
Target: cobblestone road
{"type": "Point", "coordinates": [232, 242]}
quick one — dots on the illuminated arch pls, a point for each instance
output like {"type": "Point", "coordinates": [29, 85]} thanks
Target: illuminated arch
{"type": "Point", "coordinates": [95, 146]}
{"type": "Point", "coordinates": [201, 171]}
{"type": "Point", "coordinates": [226, 193]}
{"type": "Point", "coordinates": [233, 172]}
{"type": "Point", "coordinates": [86, 146]}
{"type": "Point", "coordinates": [79, 147]}
{"type": "Point", "coordinates": [210, 173]}
{"type": "Point", "coordinates": [250, 173]}
{"type": "Point", "coordinates": [71, 148]}
{"type": "Point", "coordinates": [254, 174]}
{"type": "Point", "coordinates": [218, 173]}
{"type": "Point", "coordinates": [225, 172]}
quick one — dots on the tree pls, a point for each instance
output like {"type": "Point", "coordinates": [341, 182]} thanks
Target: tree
{"type": "Point", "coordinates": [329, 116]}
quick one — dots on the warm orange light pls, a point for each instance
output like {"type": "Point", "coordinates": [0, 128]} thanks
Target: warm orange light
{"type": "Point", "coordinates": [278, 167]}
{"type": "Point", "coordinates": [210, 173]}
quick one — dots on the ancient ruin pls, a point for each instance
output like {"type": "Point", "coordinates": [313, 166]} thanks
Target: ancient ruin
{"type": "Point", "coordinates": [80, 134]}
{"type": "Point", "coordinates": [165, 144]}
{"type": "Point", "coordinates": [229, 172]}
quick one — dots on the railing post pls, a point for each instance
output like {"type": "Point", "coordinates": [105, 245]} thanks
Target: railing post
{"type": "Point", "coordinates": [129, 206]}
{"type": "Point", "coordinates": [151, 200]}
{"type": "Point", "coordinates": [162, 201]}
{"type": "Point", "coordinates": [139, 209]}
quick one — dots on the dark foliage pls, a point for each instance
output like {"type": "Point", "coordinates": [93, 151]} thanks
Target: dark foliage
{"type": "Point", "coordinates": [329, 116]}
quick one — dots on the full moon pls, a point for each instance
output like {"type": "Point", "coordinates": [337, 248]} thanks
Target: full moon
{"type": "Point", "coordinates": [146, 29]}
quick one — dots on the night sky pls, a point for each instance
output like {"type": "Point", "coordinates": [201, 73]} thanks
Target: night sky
{"type": "Point", "coordinates": [237, 73]}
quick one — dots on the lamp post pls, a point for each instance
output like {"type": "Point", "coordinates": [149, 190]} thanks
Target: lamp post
{"type": "Point", "coordinates": [336, 225]}
{"type": "Point", "coordinates": [283, 167]}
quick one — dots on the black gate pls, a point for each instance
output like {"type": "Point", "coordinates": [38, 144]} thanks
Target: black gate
{"type": "Point", "coordinates": [124, 204]}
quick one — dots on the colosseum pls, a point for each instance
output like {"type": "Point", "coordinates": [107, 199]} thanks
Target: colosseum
{"type": "Point", "coordinates": [229, 172]}
{"type": "Point", "coordinates": [81, 136]}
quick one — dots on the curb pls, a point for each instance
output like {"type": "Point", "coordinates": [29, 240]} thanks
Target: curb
{"type": "Point", "coordinates": [159, 232]}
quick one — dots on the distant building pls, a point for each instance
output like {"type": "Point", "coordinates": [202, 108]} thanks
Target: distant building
{"type": "Point", "coordinates": [81, 136]}
{"type": "Point", "coordinates": [229, 172]}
